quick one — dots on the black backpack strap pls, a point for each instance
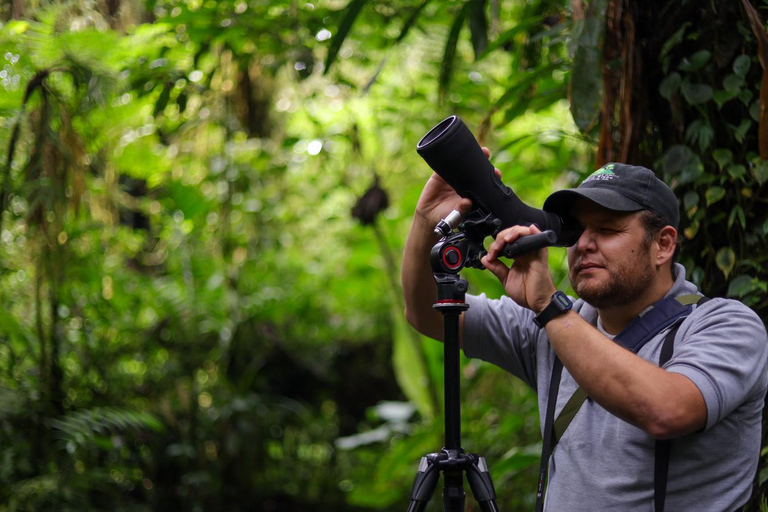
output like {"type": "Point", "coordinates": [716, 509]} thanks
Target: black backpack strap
{"type": "Point", "coordinates": [664, 447]}
{"type": "Point", "coordinates": [549, 437]}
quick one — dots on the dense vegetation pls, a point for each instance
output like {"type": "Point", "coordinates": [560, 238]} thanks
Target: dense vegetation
{"type": "Point", "coordinates": [204, 204]}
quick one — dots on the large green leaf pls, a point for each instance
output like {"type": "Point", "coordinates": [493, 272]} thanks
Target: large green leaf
{"type": "Point", "coordinates": [586, 74]}
{"type": "Point", "coordinates": [408, 363]}
{"type": "Point", "coordinates": [478, 26]}
{"type": "Point", "coordinates": [352, 10]}
{"type": "Point", "coordinates": [449, 54]}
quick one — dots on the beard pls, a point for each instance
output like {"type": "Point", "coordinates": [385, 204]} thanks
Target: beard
{"type": "Point", "coordinates": [626, 281]}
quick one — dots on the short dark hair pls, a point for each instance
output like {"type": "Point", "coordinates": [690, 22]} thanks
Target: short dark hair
{"type": "Point", "coordinates": [653, 223]}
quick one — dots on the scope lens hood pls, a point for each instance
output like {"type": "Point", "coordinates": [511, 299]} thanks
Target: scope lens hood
{"type": "Point", "coordinates": [442, 131]}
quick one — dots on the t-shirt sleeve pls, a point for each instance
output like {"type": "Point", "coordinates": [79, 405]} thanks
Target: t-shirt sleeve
{"type": "Point", "coordinates": [501, 332]}
{"type": "Point", "coordinates": [724, 351]}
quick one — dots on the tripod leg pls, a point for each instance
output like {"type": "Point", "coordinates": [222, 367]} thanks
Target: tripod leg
{"type": "Point", "coordinates": [425, 483]}
{"type": "Point", "coordinates": [453, 491]}
{"type": "Point", "coordinates": [480, 483]}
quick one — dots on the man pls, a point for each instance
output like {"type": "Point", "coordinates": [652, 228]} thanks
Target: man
{"type": "Point", "coordinates": [707, 398]}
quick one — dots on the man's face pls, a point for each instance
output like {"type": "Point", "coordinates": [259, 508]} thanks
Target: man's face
{"type": "Point", "coordinates": [611, 263]}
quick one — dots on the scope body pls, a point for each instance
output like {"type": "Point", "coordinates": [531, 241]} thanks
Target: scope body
{"type": "Point", "coordinates": [452, 151]}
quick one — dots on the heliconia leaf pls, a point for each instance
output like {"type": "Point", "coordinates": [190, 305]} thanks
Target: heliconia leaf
{"type": "Point", "coordinates": [352, 10]}
{"type": "Point", "coordinates": [586, 88]}
{"type": "Point", "coordinates": [446, 66]}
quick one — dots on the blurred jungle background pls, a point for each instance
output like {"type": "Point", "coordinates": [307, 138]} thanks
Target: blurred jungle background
{"type": "Point", "coordinates": [204, 205]}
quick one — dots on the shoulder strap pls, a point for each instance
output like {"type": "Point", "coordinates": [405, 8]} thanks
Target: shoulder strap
{"type": "Point", "coordinates": [643, 328]}
{"type": "Point", "coordinates": [549, 441]}
{"type": "Point", "coordinates": [664, 447]}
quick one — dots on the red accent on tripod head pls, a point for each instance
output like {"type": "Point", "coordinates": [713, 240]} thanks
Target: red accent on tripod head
{"type": "Point", "coordinates": [452, 257]}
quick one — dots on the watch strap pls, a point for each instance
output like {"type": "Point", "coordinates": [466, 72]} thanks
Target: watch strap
{"type": "Point", "coordinates": [559, 304]}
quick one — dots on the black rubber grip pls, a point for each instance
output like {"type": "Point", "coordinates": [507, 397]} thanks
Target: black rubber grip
{"type": "Point", "coordinates": [530, 243]}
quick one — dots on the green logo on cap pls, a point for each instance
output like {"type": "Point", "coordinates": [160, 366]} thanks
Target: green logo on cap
{"type": "Point", "coordinates": [603, 173]}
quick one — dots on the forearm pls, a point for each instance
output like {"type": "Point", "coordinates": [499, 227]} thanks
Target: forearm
{"type": "Point", "coordinates": [662, 403]}
{"type": "Point", "coordinates": [419, 288]}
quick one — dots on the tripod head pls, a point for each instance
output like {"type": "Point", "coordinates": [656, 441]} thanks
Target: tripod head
{"type": "Point", "coordinates": [463, 247]}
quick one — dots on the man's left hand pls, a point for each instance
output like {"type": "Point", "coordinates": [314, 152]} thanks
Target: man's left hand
{"type": "Point", "coordinates": [528, 281]}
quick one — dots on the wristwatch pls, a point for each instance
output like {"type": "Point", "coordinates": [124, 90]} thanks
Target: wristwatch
{"type": "Point", "coordinates": [560, 304]}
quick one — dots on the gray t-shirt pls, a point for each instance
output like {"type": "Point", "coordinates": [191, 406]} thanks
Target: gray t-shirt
{"type": "Point", "coordinates": [603, 463]}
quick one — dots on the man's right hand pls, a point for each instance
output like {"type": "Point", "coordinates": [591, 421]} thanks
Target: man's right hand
{"type": "Point", "coordinates": [438, 199]}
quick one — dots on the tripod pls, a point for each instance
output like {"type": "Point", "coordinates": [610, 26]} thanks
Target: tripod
{"type": "Point", "coordinates": [453, 252]}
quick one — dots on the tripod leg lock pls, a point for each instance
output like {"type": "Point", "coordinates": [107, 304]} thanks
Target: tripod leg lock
{"type": "Point", "coordinates": [479, 479]}
{"type": "Point", "coordinates": [425, 482]}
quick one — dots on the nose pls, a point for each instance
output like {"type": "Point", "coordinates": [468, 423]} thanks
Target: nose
{"type": "Point", "coordinates": [586, 242]}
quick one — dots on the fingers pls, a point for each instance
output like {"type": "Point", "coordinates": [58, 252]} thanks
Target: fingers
{"type": "Point", "coordinates": [487, 153]}
{"type": "Point", "coordinates": [508, 236]}
{"type": "Point", "coordinates": [497, 268]}
{"type": "Point", "coordinates": [464, 206]}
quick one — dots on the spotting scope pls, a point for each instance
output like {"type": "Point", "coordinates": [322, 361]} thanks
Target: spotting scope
{"type": "Point", "coordinates": [452, 151]}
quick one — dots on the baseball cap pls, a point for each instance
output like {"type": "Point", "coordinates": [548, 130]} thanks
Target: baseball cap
{"type": "Point", "coordinates": [620, 187]}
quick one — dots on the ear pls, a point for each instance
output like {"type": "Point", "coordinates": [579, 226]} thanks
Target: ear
{"type": "Point", "coordinates": [667, 242]}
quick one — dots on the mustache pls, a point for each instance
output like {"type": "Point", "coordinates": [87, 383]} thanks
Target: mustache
{"type": "Point", "coordinates": [582, 262]}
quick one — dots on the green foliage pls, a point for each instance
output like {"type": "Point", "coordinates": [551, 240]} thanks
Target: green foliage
{"type": "Point", "coordinates": [586, 82]}
{"type": "Point", "coordinates": [714, 96]}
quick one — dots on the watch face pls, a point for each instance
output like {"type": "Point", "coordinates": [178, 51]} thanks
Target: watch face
{"type": "Point", "coordinates": [562, 300]}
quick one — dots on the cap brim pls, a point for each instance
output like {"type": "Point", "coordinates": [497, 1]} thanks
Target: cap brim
{"type": "Point", "coordinates": [561, 202]}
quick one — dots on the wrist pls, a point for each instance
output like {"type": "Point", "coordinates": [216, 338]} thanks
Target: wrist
{"type": "Point", "coordinates": [542, 304]}
{"type": "Point", "coordinates": [558, 305]}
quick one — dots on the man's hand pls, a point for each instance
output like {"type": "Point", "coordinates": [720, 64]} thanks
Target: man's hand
{"type": "Point", "coordinates": [438, 199]}
{"type": "Point", "coordinates": [528, 281]}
